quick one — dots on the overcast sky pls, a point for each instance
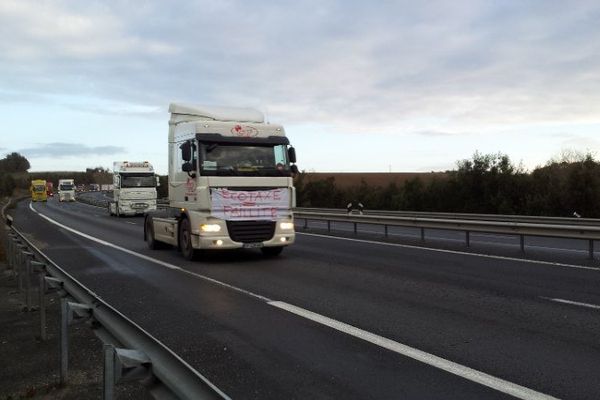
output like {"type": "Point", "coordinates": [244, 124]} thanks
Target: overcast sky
{"type": "Point", "coordinates": [359, 86]}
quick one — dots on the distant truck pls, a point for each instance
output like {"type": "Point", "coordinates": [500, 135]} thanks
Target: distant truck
{"type": "Point", "coordinates": [49, 189]}
{"type": "Point", "coordinates": [230, 183]}
{"type": "Point", "coordinates": [94, 187]}
{"type": "Point", "coordinates": [66, 190]}
{"type": "Point", "coordinates": [38, 190]}
{"type": "Point", "coordinates": [134, 188]}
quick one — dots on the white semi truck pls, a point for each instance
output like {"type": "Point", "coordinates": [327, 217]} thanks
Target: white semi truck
{"type": "Point", "coordinates": [66, 190]}
{"type": "Point", "coordinates": [230, 183]}
{"type": "Point", "coordinates": [134, 188]}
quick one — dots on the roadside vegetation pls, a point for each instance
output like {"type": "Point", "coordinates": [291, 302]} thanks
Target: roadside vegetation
{"type": "Point", "coordinates": [486, 183]}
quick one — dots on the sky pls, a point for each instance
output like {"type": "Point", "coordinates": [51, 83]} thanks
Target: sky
{"type": "Point", "coordinates": [359, 86]}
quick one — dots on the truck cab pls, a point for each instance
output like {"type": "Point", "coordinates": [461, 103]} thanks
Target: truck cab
{"type": "Point", "coordinates": [38, 190]}
{"type": "Point", "coordinates": [134, 188]}
{"type": "Point", "coordinates": [66, 190]}
{"type": "Point", "coordinates": [230, 183]}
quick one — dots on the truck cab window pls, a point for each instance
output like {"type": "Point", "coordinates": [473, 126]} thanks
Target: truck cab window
{"type": "Point", "coordinates": [243, 160]}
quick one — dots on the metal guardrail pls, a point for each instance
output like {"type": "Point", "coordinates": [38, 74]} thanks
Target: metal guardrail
{"type": "Point", "coordinates": [522, 229]}
{"type": "Point", "coordinates": [464, 216]}
{"type": "Point", "coordinates": [130, 352]}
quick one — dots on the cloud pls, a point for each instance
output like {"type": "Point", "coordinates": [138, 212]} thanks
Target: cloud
{"type": "Point", "coordinates": [63, 150]}
{"type": "Point", "coordinates": [395, 67]}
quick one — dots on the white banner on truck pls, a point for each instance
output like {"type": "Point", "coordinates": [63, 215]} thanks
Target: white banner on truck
{"type": "Point", "coordinates": [240, 205]}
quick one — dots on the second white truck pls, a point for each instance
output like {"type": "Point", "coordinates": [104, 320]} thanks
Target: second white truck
{"type": "Point", "coordinates": [134, 188]}
{"type": "Point", "coordinates": [66, 190]}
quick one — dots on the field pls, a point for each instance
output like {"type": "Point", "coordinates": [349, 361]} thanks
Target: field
{"type": "Point", "coordinates": [349, 179]}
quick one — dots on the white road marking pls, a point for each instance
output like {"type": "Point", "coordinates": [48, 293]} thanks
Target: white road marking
{"type": "Point", "coordinates": [571, 302]}
{"type": "Point", "coordinates": [419, 355]}
{"type": "Point", "coordinates": [146, 258]}
{"type": "Point", "coordinates": [129, 222]}
{"type": "Point", "coordinates": [473, 375]}
{"type": "Point", "coordinates": [408, 246]}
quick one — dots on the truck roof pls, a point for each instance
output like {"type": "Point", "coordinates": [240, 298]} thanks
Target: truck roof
{"type": "Point", "coordinates": [236, 114]}
{"type": "Point", "coordinates": [132, 166]}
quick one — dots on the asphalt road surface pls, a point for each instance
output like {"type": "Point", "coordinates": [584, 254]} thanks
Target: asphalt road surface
{"type": "Point", "coordinates": [343, 317]}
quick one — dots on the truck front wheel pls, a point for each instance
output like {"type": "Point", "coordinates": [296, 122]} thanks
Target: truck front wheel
{"type": "Point", "coordinates": [185, 241]}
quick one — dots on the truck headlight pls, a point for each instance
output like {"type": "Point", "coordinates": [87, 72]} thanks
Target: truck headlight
{"type": "Point", "coordinates": [210, 228]}
{"type": "Point", "coordinates": [286, 226]}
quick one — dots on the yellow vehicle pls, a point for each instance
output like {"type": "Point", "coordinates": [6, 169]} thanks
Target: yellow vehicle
{"type": "Point", "coordinates": [38, 190]}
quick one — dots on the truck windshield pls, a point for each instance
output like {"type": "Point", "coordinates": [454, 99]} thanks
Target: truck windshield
{"type": "Point", "coordinates": [242, 160]}
{"type": "Point", "coordinates": [39, 188]}
{"type": "Point", "coordinates": [66, 186]}
{"type": "Point", "coordinates": [137, 180]}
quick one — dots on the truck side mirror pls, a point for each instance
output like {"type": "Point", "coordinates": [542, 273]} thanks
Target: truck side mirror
{"type": "Point", "coordinates": [186, 151]}
{"type": "Point", "coordinates": [292, 154]}
{"type": "Point", "coordinates": [157, 182]}
{"type": "Point", "coordinates": [294, 169]}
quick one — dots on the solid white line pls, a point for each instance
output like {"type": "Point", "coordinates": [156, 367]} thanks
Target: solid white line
{"type": "Point", "coordinates": [146, 258]}
{"type": "Point", "coordinates": [419, 355]}
{"type": "Point", "coordinates": [429, 359]}
{"type": "Point", "coordinates": [408, 246]}
{"type": "Point", "coordinates": [129, 222]}
{"type": "Point", "coordinates": [571, 302]}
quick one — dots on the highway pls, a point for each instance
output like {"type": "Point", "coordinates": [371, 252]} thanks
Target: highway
{"type": "Point", "coordinates": [343, 317]}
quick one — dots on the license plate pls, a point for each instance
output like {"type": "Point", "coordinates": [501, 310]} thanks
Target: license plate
{"type": "Point", "coordinates": [252, 245]}
{"type": "Point", "coordinates": [139, 205]}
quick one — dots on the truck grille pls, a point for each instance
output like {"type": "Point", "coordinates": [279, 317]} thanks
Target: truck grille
{"type": "Point", "coordinates": [251, 231]}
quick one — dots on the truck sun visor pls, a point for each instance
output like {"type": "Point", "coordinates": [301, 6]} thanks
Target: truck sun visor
{"type": "Point", "coordinates": [216, 138]}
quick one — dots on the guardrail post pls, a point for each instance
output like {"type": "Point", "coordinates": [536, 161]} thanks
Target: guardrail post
{"type": "Point", "coordinates": [468, 238]}
{"type": "Point", "coordinates": [305, 223]}
{"type": "Point", "coordinates": [591, 248]}
{"type": "Point", "coordinates": [64, 340]}
{"type": "Point", "coordinates": [422, 234]}
{"type": "Point", "coordinates": [108, 385]}
{"type": "Point", "coordinates": [355, 228]}
{"type": "Point", "coordinates": [39, 269]}
{"type": "Point", "coordinates": [385, 229]}
{"type": "Point", "coordinates": [20, 261]}
{"type": "Point", "coordinates": [28, 257]}
{"type": "Point", "coordinates": [328, 226]}
{"type": "Point", "coordinates": [522, 240]}
{"type": "Point", "coordinates": [68, 309]}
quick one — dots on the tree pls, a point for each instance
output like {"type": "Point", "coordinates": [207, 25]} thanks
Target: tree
{"type": "Point", "coordinates": [14, 162]}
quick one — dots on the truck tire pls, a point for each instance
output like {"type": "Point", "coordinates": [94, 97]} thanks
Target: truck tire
{"type": "Point", "coordinates": [149, 235]}
{"type": "Point", "coordinates": [185, 241]}
{"type": "Point", "coordinates": [271, 251]}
